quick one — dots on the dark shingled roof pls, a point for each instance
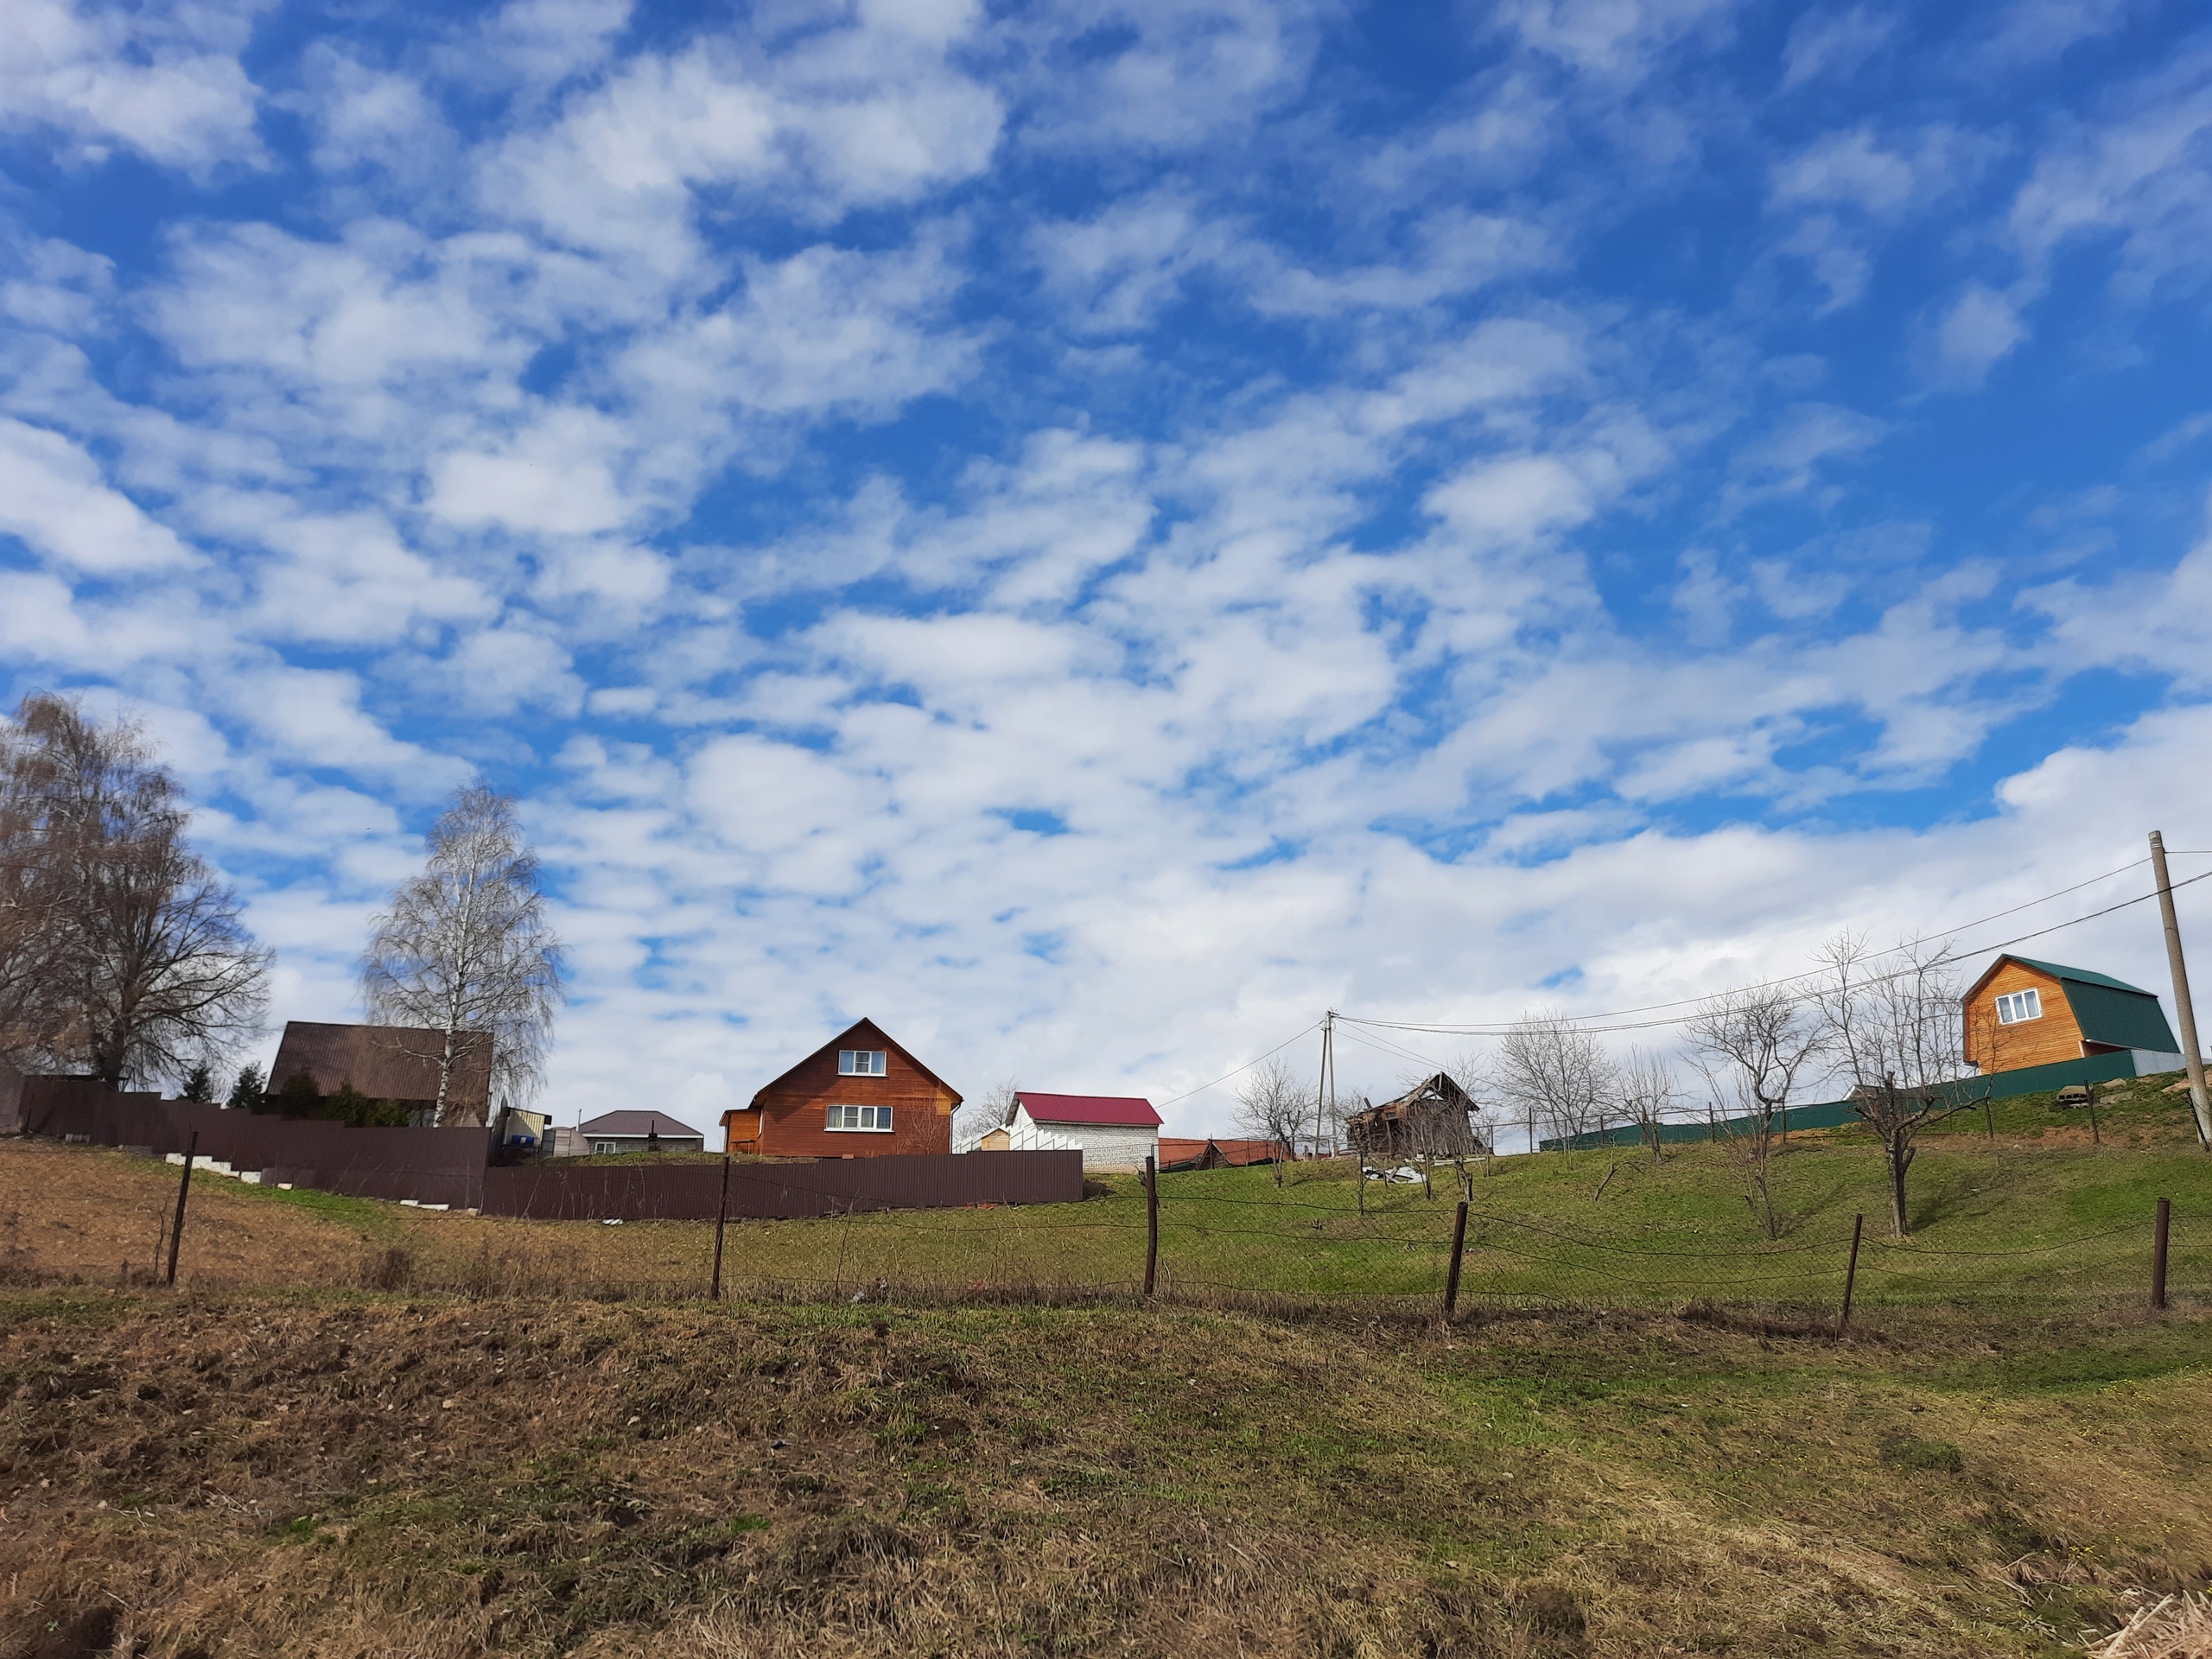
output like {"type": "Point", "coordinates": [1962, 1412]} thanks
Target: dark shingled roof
{"type": "Point", "coordinates": [636, 1123]}
{"type": "Point", "coordinates": [383, 1062]}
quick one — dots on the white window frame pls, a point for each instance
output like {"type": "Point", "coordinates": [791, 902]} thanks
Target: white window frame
{"type": "Point", "coordinates": [605, 1146]}
{"type": "Point", "coordinates": [2018, 1007]}
{"type": "Point", "coordinates": [847, 1118]}
{"type": "Point", "coordinates": [863, 1063]}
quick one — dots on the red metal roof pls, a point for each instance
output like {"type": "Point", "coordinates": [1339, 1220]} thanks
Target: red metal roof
{"type": "Point", "coordinates": [1130, 1110]}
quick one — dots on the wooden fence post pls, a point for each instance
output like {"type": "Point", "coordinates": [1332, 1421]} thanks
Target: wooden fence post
{"type": "Point", "coordinates": [1458, 1250]}
{"type": "Point", "coordinates": [1851, 1272]}
{"type": "Point", "coordinates": [721, 1214]}
{"type": "Point", "coordinates": [1151, 1220]}
{"type": "Point", "coordinates": [2159, 1254]}
{"type": "Point", "coordinates": [183, 1187]}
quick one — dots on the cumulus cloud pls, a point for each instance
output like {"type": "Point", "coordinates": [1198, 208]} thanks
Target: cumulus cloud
{"type": "Point", "coordinates": [161, 79]}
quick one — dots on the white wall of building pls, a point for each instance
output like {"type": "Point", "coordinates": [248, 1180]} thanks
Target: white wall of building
{"type": "Point", "coordinates": [1104, 1146]}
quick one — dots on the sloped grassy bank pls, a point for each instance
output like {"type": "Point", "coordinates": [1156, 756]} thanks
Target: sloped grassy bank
{"type": "Point", "coordinates": [357, 1474]}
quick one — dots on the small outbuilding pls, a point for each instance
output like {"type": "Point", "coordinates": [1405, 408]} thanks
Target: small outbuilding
{"type": "Point", "coordinates": [2023, 1013]}
{"type": "Point", "coordinates": [638, 1132]}
{"type": "Point", "coordinates": [1112, 1132]}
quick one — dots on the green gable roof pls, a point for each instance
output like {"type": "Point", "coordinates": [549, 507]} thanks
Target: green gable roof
{"type": "Point", "coordinates": [2081, 976]}
{"type": "Point", "coordinates": [2111, 1010]}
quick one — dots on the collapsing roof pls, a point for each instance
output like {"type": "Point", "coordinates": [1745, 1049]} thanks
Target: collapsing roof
{"type": "Point", "coordinates": [1433, 1119]}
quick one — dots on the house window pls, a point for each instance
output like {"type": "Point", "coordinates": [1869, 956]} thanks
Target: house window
{"type": "Point", "coordinates": [2020, 1004]}
{"type": "Point", "coordinates": [871, 1119]}
{"type": "Point", "coordinates": [605, 1145]}
{"type": "Point", "coordinates": [862, 1062]}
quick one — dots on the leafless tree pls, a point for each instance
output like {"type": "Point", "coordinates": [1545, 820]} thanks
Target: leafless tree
{"type": "Point", "coordinates": [1649, 1092]}
{"type": "Point", "coordinates": [1274, 1105]}
{"type": "Point", "coordinates": [1896, 1038]}
{"type": "Point", "coordinates": [979, 1117]}
{"type": "Point", "coordinates": [1555, 1074]}
{"type": "Point", "coordinates": [123, 953]}
{"type": "Point", "coordinates": [466, 952]}
{"type": "Point", "coordinates": [1751, 1044]}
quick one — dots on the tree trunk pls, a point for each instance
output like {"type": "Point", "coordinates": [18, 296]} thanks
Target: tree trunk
{"type": "Point", "coordinates": [1900, 1159]}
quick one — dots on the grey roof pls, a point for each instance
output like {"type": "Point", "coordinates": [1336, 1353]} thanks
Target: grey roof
{"type": "Point", "coordinates": [637, 1123]}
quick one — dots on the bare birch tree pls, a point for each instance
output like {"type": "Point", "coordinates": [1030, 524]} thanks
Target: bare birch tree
{"type": "Point", "coordinates": [466, 953]}
{"type": "Point", "coordinates": [979, 1117]}
{"type": "Point", "coordinates": [1273, 1105]}
{"type": "Point", "coordinates": [1648, 1094]}
{"type": "Point", "coordinates": [1751, 1044]}
{"type": "Point", "coordinates": [121, 953]}
{"type": "Point", "coordinates": [1896, 1038]}
{"type": "Point", "coordinates": [1555, 1074]}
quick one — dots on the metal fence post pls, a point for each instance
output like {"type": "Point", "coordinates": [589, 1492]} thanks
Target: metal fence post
{"type": "Point", "coordinates": [1151, 1220]}
{"type": "Point", "coordinates": [183, 1187]}
{"type": "Point", "coordinates": [1458, 1250]}
{"type": "Point", "coordinates": [1851, 1272]}
{"type": "Point", "coordinates": [2159, 1254]}
{"type": "Point", "coordinates": [721, 1214]}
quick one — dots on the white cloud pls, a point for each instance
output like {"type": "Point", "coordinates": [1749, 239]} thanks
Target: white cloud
{"type": "Point", "coordinates": [53, 495]}
{"type": "Point", "coordinates": [1977, 331]}
{"type": "Point", "coordinates": [1825, 43]}
{"type": "Point", "coordinates": [163, 80]}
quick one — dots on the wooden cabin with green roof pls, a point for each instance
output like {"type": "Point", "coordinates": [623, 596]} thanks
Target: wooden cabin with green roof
{"type": "Point", "coordinates": [2023, 1012]}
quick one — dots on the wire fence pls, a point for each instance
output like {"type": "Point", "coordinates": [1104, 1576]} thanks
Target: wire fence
{"type": "Point", "coordinates": [1322, 1238]}
{"type": "Point", "coordinates": [1320, 1242]}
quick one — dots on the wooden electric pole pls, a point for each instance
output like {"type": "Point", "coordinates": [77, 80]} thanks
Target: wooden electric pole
{"type": "Point", "coordinates": [2191, 1056]}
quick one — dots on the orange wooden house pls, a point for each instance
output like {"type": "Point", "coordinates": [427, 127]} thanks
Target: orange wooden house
{"type": "Point", "coordinates": [858, 1096]}
{"type": "Point", "coordinates": [2022, 1013]}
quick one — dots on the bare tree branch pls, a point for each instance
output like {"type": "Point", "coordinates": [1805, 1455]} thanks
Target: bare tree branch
{"type": "Point", "coordinates": [1274, 1105]}
{"type": "Point", "coordinates": [1555, 1074]}
{"type": "Point", "coordinates": [1751, 1044]}
{"type": "Point", "coordinates": [1896, 1037]}
{"type": "Point", "coordinates": [466, 952]}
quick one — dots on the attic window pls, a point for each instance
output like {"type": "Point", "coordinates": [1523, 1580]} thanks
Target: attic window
{"type": "Point", "coordinates": [863, 1063]}
{"type": "Point", "coordinates": [2018, 1006]}
{"type": "Point", "coordinates": [869, 1119]}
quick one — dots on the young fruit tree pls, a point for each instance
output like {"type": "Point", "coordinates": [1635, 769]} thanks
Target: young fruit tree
{"type": "Point", "coordinates": [465, 955]}
{"type": "Point", "coordinates": [1896, 1037]}
{"type": "Point", "coordinates": [1751, 1044]}
{"type": "Point", "coordinates": [1273, 1105]}
{"type": "Point", "coordinates": [122, 954]}
{"type": "Point", "coordinates": [1554, 1075]}
{"type": "Point", "coordinates": [1648, 1094]}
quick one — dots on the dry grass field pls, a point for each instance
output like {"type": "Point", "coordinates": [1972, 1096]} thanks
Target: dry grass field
{"type": "Point", "coordinates": [280, 1458]}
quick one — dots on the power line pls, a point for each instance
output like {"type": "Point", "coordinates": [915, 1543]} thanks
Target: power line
{"type": "Point", "coordinates": [1247, 1066]}
{"type": "Point", "coordinates": [1616, 1022]}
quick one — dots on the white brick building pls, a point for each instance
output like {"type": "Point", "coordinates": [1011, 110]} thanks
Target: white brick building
{"type": "Point", "coordinates": [1112, 1132]}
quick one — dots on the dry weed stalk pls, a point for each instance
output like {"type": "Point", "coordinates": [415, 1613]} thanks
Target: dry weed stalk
{"type": "Point", "coordinates": [2177, 1626]}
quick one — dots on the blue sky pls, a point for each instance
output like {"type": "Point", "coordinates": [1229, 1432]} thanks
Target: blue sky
{"type": "Point", "coordinates": [1091, 533]}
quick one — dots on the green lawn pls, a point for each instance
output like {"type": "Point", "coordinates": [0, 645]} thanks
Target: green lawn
{"type": "Point", "coordinates": [2037, 1216]}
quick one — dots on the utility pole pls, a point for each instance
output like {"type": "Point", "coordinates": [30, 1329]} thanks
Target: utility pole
{"type": "Point", "coordinates": [1324, 1086]}
{"type": "Point", "coordinates": [2191, 1056]}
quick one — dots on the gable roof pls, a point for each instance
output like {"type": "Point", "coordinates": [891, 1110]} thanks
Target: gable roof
{"type": "Point", "coordinates": [2108, 1011]}
{"type": "Point", "coordinates": [1131, 1111]}
{"type": "Point", "coordinates": [2082, 976]}
{"type": "Point", "coordinates": [636, 1123]}
{"type": "Point", "coordinates": [862, 1034]}
{"type": "Point", "coordinates": [383, 1062]}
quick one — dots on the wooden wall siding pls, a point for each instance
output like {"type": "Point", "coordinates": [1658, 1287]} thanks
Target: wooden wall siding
{"type": "Point", "coordinates": [1992, 1047]}
{"type": "Point", "coordinates": [794, 1115]}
